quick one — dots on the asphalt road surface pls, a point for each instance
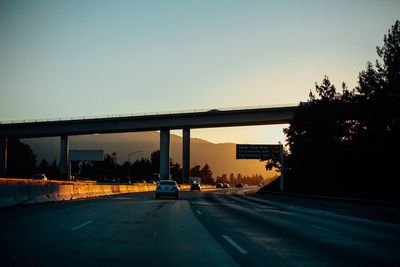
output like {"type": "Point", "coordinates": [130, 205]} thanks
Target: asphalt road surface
{"type": "Point", "coordinates": [219, 228]}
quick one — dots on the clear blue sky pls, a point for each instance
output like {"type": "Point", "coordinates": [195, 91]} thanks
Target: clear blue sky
{"type": "Point", "coordinates": [85, 58]}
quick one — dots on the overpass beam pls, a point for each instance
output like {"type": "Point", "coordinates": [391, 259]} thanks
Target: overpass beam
{"type": "Point", "coordinates": [164, 154]}
{"type": "Point", "coordinates": [3, 156]}
{"type": "Point", "coordinates": [186, 154]}
{"type": "Point", "coordinates": [65, 170]}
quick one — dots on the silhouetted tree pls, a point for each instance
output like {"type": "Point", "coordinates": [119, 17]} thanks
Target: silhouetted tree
{"type": "Point", "coordinates": [141, 169]}
{"type": "Point", "coordinates": [206, 175]}
{"type": "Point", "coordinates": [43, 166]}
{"type": "Point", "coordinates": [176, 171]}
{"type": "Point", "coordinates": [222, 179]}
{"type": "Point", "coordinates": [110, 165]}
{"type": "Point", "coordinates": [340, 143]}
{"type": "Point", "coordinates": [231, 178]}
{"type": "Point", "coordinates": [21, 160]}
{"type": "Point", "coordinates": [195, 171]}
{"type": "Point", "coordinates": [53, 171]}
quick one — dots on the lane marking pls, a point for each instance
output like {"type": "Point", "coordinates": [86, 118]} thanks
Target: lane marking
{"type": "Point", "coordinates": [325, 229]}
{"type": "Point", "coordinates": [199, 212]}
{"type": "Point", "coordinates": [81, 225]}
{"type": "Point", "coordinates": [234, 244]}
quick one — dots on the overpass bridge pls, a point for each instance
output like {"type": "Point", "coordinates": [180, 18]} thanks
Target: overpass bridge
{"type": "Point", "coordinates": [138, 123]}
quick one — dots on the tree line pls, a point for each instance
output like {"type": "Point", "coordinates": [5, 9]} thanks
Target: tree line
{"type": "Point", "coordinates": [142, 169]}
{"type": "Point", "coordinates": [346, 142]}
{"type": "Point", "coordinates": [254, 179]}
{"type": "Point", "coordinates": [22, 162]}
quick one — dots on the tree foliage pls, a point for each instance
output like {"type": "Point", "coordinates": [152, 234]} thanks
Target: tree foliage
{"type": "Point", "coordinates": [342, 142]}
{"type": "Point", "coordinates": [21, 160]}
{"type": "Point", "coordinates": [254, 179]}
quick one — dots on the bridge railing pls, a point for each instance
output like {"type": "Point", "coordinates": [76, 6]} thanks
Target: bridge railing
{"type": "Point", "coordinates": [139, 114]}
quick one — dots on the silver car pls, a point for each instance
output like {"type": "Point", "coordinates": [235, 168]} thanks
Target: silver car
{"type": "Point", "coordinates": [39, 176]}
{"type": "Point", "coordinates": [167, 188]}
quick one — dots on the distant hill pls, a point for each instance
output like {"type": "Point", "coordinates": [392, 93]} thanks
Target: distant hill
{"type": "Point", "coordinates": [220, 157]}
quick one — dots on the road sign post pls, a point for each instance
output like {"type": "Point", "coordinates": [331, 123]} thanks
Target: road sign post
{"type": "Point", "coordinates": [281, 187]}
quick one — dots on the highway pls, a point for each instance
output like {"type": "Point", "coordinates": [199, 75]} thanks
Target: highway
{"type": "Point", "coordinates": [218, 228]}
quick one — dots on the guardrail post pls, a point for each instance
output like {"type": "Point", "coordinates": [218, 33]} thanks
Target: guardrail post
{"type": "Point", "coordinates": [164, 154]}
{"type": "Point", "coordinates": [186, 154]}
{"type": "Point", "coordinates": [3, 156]}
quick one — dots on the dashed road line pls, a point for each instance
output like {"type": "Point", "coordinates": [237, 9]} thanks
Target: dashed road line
{"type": "Point", "coordinates": [325, 229]}
{"type": "Point", "coordinates": [234, 244]}
{"type": "Point", "coordinates": [81, 225]}
{"type": "Point", "coordinates": [198, 212]}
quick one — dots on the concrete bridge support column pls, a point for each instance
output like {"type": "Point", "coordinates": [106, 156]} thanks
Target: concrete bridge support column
{"type": "Point", "coordinates": [65, 170]}
{"type": "Point", "coordinates": [186, 154]}
{"type": "Point", "coordinates": [164, 154]}
{"type": "Point", "coordinates": [3, 156]}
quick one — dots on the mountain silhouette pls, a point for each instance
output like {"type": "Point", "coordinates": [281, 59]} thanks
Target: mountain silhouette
{"type": "Point", "coordinates": [221, 157]}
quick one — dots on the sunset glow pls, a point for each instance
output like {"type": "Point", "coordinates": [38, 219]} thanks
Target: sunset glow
{"type": "Point", "coordinates": [60, 59]}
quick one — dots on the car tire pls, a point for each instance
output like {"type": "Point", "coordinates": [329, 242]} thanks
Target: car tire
{"type": "Point", "coordinates": [157, 196]}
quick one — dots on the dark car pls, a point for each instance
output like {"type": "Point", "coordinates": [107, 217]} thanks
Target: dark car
{"type": "Point", "coordinates": [219, 185]}
{"type": "Point", "coordinates": [225, 185]}
{"type": "Point", "coordinates": [195, 186]}
{"type": "Point", "coordinates": [239, 185]}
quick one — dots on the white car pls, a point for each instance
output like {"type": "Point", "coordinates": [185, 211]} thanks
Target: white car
{"type": "Point", "coordinates": [167, 188]}
{"type": "Point", "coordinates": [39, 176]}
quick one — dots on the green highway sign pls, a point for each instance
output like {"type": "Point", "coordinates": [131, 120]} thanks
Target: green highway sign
{"type": "Point", "coordinates": [262, 152]}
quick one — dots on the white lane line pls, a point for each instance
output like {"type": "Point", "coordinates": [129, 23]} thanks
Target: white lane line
{"type": "Point", "coordinates": [234, 244]}
{"type": "Point", "coordinates": [81, 225]}
{"type": "Point", "coordinates": [325, 229]}
{"type": "Point", "coordinates": [199, 212]}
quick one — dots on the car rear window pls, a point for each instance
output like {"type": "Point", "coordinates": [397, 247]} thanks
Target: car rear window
{"type": "Point", "coordinates": [168, 182]}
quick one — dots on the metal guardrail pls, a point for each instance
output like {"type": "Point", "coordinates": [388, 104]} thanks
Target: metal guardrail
{"type": "Point", "coordinates": [147, 114]}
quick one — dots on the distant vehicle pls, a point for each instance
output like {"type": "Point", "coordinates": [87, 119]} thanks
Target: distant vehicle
{"type": "Point", "coordinates": [239, 185]}
{"type": "Point", "coordinates": [218, 185]}
{"type": "Point", "coordinates": [225, 185]}
{"type": "Point", "coordinates": [213, 110]}
{"type": "Point", "coordinates": [39, 176]}
{"type": "Point", "coordinates": [167, 188]}
{"type": "Point", "coordinates": [195, 186]}
{"type": "Point", "coordinates": [195, 180]}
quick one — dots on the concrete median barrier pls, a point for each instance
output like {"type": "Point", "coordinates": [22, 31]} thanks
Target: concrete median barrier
{"type": "Point", "coordinates": [7, 195]}
{"type": "Point", "coordinates": [25, 191]}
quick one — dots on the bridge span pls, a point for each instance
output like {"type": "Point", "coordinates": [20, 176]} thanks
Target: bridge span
{"type": "Point", "coordinates": [159, 122]}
